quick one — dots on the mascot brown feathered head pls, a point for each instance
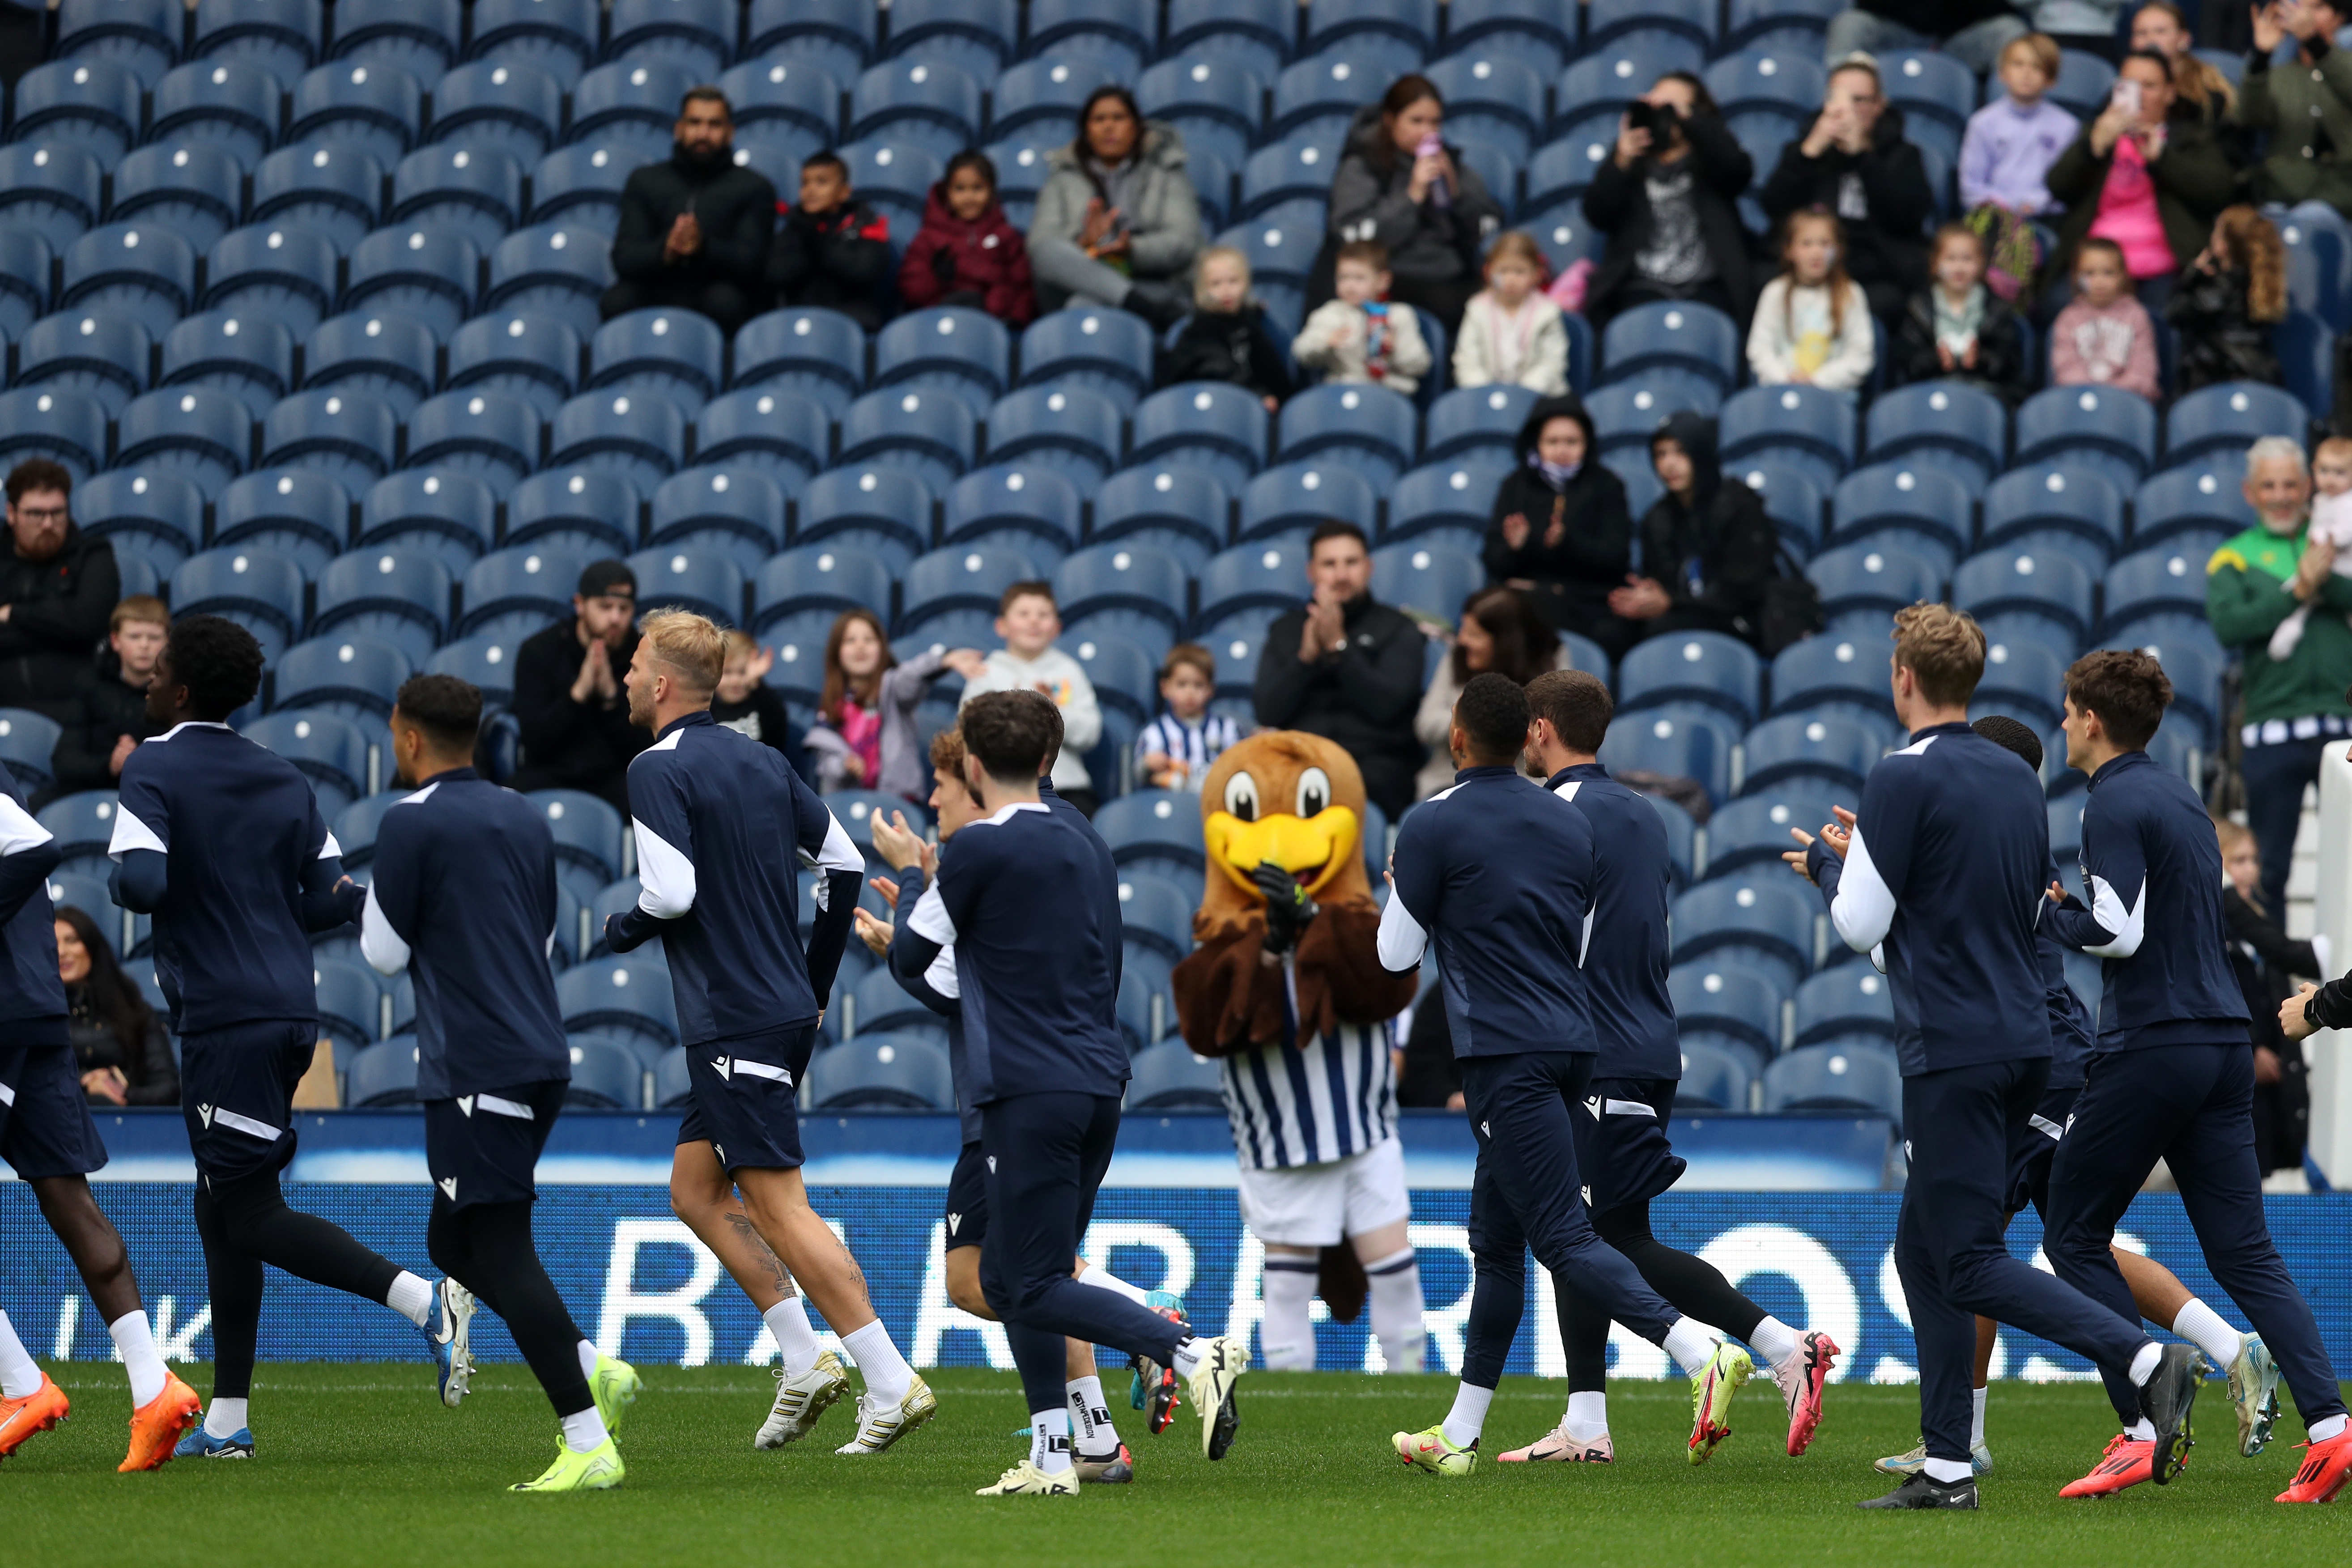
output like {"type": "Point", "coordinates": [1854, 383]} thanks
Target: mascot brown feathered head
{"type": "Point", "coordinates": [1287, 797]}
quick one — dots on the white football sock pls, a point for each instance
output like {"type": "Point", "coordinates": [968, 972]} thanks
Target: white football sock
{"type": "Point", "coordinates": [1049, 1440]}
{"type": "Point", "coordinates": [587, 1359]}
{"type": "Point", "coordinates": [2325, 1427]}
{"type": "Point", "coordinates": [2203, 1327]}
{"type": "Point", "coordinates": [1691, 1343]}
{"type": "Point", "coordinates": [19, 1378]}
{"type": "Point", "coordinates": [1468, 1417]}
{"type": "Point", "coordinates": [1775, 1341]}
{"type": "Point", "coordinates": [2143, 1365]}
{"type": "Point", "coordinates": [1093, 1435]}
{"type": "Point", "coordinates": [226, 1418]}
{"type": "Point", "coordinates": [410, 1297]}
{"type": "Point", "coordinates": [1396, 1302]}
{"type": "Point", "coordinates": [1976, 1422]}
{"type": "Point", "coordinates": [584, 1431]}
{"type": "Point", "coordinates": [887, 1375]}
{"type": "Point", "coordinates": [1102, 1278]}
{"type": "Point", "coordinates": [1287, 1335]}
{"type": "Point", "coordinates": [1949, 1470]}
{"type": "Point", "coordinates": [2141, 1431]}
{"type": "Point", "coordinates": [788, 1319]}
{"type": "Point", "coordinates": [1588, 1415]}
{"type": "Point", "coordinates": [1189, 1351]}
{"type": "Point", "coordinates": [136, 1342]}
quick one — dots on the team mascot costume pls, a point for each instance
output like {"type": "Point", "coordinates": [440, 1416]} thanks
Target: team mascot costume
{"type": "Point", "coordinates": [1287, 990]}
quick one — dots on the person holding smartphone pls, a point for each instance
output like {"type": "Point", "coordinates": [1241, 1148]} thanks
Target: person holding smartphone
{"type": "Point", "coordinates": [1855, 163]}
{"type": "Point", "coordinates": [1666, 199]}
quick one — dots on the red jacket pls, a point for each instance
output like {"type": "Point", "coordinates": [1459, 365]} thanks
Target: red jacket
{"type": "Point", "coordinates": [987, 258]}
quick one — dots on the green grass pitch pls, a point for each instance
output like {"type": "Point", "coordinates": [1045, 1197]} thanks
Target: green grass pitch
{"type": "Point", "coordinates": [359, 1464]}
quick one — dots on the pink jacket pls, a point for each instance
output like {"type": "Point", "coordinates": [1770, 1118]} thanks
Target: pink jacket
{"type": "Point", "coordinates": [2111, 347]}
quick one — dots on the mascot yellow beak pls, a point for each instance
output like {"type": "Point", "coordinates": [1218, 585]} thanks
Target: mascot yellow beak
{"type": "Point", "coordinates": [1311, 848]}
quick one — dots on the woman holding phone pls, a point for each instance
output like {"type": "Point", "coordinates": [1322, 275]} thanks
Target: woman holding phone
{"type": "Point", "coordinates": [1400, 185]}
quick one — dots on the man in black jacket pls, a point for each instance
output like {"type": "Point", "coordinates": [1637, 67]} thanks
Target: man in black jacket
{"type": "Point", "coordinates": [1855, 163]}
{"type": "Point", "coordinates": [109, 715]}
{"type": "Point", "coordinates": [567, 693]}
{"type": "Point", "coordinates": [694, 231]}
{"type": "Point", "coordinates": [832, 251]}
{"type": "Point", "coordinates": [1346, 668]}
{"type": "Point", "coordinates": [57, 585]}
{"type": "Point", "coordinates": [1666, 201]}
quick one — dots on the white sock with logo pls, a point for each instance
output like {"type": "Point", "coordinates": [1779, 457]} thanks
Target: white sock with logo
{"type": "Point", "coordinates": [1049, 1440]}
{"type": "Point", "coordinates": [587, 1359]}
{"type": "Point", "coordinates": [1975, 1423]}
{"type": "Point", "coordinates": [1092, 1435]}
{"type": "Point", "coordinates": [887, 1375]}
{"type": "Point", "coordinates": [19, 1378]}
{"type": "Point", "coordinates": [2206, 1329]}
{"type": "Point", "coordinates": [1468, 1417]}
{"type": "Point", "coordinates": [1102, 1278]}
{"type": "Point", "coordinates": [1287, 1334]}
{"type": "Point", "coordinates": [411, 1297]}
{"type": "Point", "coordinates": [788, 1319]}
{"type": "Point", "coordinates": [583, 1431]}
{"type": "Point", "coordinates": [1588, 1415]}
{"type": "Point", "coordinates": [226, 1418]}
{"type": "Point", "coordinates": [135, 1341]}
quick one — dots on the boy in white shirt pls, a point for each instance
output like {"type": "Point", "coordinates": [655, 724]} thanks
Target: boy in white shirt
{"type": "Point", "coordinates": [1029, 621]}
{"type": "Point", "coordinates": [1360, 337]}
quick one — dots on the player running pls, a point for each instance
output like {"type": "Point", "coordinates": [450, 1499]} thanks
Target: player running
{"type": "Point", "coordinates": [47, 1138]}
{"type": "Point", "coordinates": [1501, 879]}
{"type": "Point", "coordinates": [222, 842]}
{"type": "Point", "coordinates": [2173, 1075]}
{"type": "Point", "coordinates": [462, 896]}
{"type": "Point", "coordinates": [723, 826]}
{"type": "Point", "coordinates": [1029, 900]}
{"type": "Point", "coordinates": [1939, 878]}
{"type": "Point", "coordinates": [1622, 1151]}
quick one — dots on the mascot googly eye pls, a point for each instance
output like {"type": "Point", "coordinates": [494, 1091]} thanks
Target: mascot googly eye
{"type": "Point", "coordinates": [1314, 794]}
{"type": "Point", "coordinates": [1241, 797]}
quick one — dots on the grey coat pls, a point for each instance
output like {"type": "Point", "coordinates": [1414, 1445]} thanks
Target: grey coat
{"type": "Point", "coordinates": [1164, 216]}
{"type": "Point", "coordinates": [1421, 239]}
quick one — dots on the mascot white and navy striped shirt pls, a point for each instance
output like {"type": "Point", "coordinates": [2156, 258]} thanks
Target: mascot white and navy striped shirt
{"type": "Point", "coordinates": [1294, 1103]}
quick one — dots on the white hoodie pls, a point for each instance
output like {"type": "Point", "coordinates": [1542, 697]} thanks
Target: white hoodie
{"type": "Point", "coordinates": [1067, 680]}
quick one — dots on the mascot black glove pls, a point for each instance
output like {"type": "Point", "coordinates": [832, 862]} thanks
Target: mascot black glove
{"type": "Point", "coordinates": [1288, 910]}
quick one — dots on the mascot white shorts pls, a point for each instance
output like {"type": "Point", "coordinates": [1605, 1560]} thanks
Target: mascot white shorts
{"type": "Point", "coordinates": [1319, 1204]}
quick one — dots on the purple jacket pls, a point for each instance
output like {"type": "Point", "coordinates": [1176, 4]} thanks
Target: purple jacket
{"type": "Point", "coordinates": [2008, 152]}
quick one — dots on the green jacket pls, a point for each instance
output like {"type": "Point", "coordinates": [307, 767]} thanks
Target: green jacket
{"type": "Point", "coordinates": [2294, 102]}
{"type": "Point", "coordinates": [2246, 598]}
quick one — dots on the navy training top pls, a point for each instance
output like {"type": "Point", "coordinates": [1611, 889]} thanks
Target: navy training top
{"type": "Point", "coordinates": [32, 996]}
{"type": "Point", "coordinates": [1625, 960]}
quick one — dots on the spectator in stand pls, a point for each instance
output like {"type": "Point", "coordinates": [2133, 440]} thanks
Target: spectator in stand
{"type": "Point", "coordinates": [1668, 199]}
{"type": "Point", "coordinates": [968, 252]}
{"type": "Point", "coordinates": [1030, 623]}
{"type": "Point", "coordinates": [111, 699]}
{"type": "Point", "coordinates": [1348, 668]}
{"type": "Point", "coordinates": [1226, 337]}
{"type": "Point", "coordinates": [832, 251]}
{"type": "Point", "coordinates": [2225, 302]}
{"type": "Point", "coordinates": [121, 1047]}
{"type": "Point", "coordinates": [2005, 161]}
{"type": "Point", "coordinates": [2265, 959]}
{"type": "Point", "coordinates": [1512, 333]}
{"type": "Point", "coordinates": [2104, 337]}
{"type": "Point", "coordinates": [1707, 549]}
{"type": "Point", "coordinates": [2199, 92]}
{"type": "Point", "coordinates": [1812, 322]}
{"type": "Point", "coordinates": [1400, 185]}
{"type": "Point", "coordinates": [2308, 110]}
{"type": "Point", "coordinates": [2137, 175]}
{"type": "Point", "coordinates": [1956, 327]}
{"type": "Point", "coordinates": [1362, 335]}
{"type": "Point", "coordinates": [864, 736]}
{"type": "Point", "coordinates": [2294, 700]}
{"type": "Point", "coordinates": [694, 231]}
{"type": "Point", "coordinates": [1971, 31]}
{"type": "Point", "coordinates": [1499, 630]}
{"type": "Point", "coordinates": [1117, 222]}
{"type": "Point", "coordinates": [1562, 531]}
{"type": "Point", "coordinates": [58, 588]}
{"type": "Point", "coordinates": [1855, 164]}
{"type": "Point", "coordinates": [745, 701]}
{"type": "Point", "coordinates": [1176, 749]}
{"type": "Point", "coordinates": [568, 701]}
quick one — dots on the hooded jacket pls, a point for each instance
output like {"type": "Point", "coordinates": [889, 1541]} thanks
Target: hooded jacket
{"type": "Point", "coordinates": [1713, 556]}
{"type": "Point", "coordinates": [838, 260]}
{"type": "Point", "coordinates": [2307, 107]}
{"type": "Point", "coordinates": [1233, 346]}
{"type": "Point", "coordinates": [1162, 212]}
{"type": "Point", "coordinates": [2220, 339]}
{"type": "Point", "coordinates": [1883, 238]}
{"type": "Point", "coordinates": [734, 206]}
{"type": "Point", "coordinates": [1618, 204]}
{"type": "Point", "coordinates": [57, 617]}
{"type": "Point", "coordinates": [1571, 576]}
{"type": "Point", "coordinates": [1372, 198]}
{"type": "Point", "coordinates": [987, 257]}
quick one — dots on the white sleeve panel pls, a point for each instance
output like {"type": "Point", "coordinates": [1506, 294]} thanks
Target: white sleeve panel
{"type": "Point", "coordinates": [666, 875]}
{"type": "Point", "coordinates": [1401, 940]}
{"type": "Point", "coordinates": [1863, 909]}
{"type": "Point", "coordinates": [130, 834]}
{"type": "Point", "coordinates": [931, 920]}
{"type": "Point", "coordinates": [18, 830]}
{"type": "Point", "coordinates": [941, 976]}
{"type": "Point", "coordinates": [380, 944]}
{"type": "Point", "coordinates": [839, 852]}
{"type": "Point", "coordinates": [2128, 925]}
{"type": "Point", "coordinates": [330, 850]}
{"type": "Point", "coordinates": [1584, 942]}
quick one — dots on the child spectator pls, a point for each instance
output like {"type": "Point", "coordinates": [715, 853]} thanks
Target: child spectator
{"type": "Point", "coordinates": [865, 734]}
{"type": "Point", "coordinates": [1957, 327]}
{"type": "Point", "coordinates": [1225, 338]}
{"type": "Point", "coordinates": [1174, 750]}
{"type": "Point", "coordinates": [2331, 520]}
{"type": "Point", "coordinates": [832, 251]}
{"type": "Point", "coordinates": [2103, 337]}
{"type": "Point", "coordinates": [1812, 322]}
{"type": "Point", "coordinates": [2226, 301]}
{"type": "Point", "coordinates": [967, 252]}
{"type": "Point", "coordinates": [745, 700]}
{"type": "Point", "coordinates": [111, 713]}
{"type": "Point", "coordinates": [1029, 621]}
{"type": "Point", "coordinates": [1358, 336]}
{"type": "Point", "coordinates": [2005, 161]}
{"type": "Point", "coordinates": [1511, 332]}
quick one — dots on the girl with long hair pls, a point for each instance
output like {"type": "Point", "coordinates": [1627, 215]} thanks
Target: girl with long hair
{"type": "Point", "coordinates": [1812, 322]}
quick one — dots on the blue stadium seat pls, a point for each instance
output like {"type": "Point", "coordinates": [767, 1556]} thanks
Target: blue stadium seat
{"type": "Point", "coordinates": [1258, 34]}
{"type": "Point", "coordinates": [558, 37]}
{"type": "Point", "coordinates": [2024, 675]}
{"type": "Point", "coordinates": [1068, 428]}
{"type": "Point", "coordinates": [279, 35]}
{"type": "Point", "coordinates": [2046, 587]}
{"type": "Point", "coordinates": [781, 434]}
{"type": "Point", "coordinates": [2049, 500]}
{"type": "Point", "coordinates": [556, 272]}
{"type": "Point", "coordinates": [305, 517]}
{"type": "Point", "coordinates": [335, 190]}
{"type": "Point", "coordinates": [733, 509]}
{"type": "Point", "coordinates": [924, 102]}
{"type": "Point", "coordinates": [64, 426]}
{"type": "Point", "coordinates": [959, 578]}
{"type": "Point", "coordinates": [2195, 662]}
{"type": "Point", "coordinates": [1268, 577]}
{"type": "Point", "coordinates": [671, 353]}
{"type": "Point", "coordinates": [142, 273]}
{"type": "Point", "coordinates": [1838, 1075]}
{"type": "Point", "coordinates": [1033, 509]}
{"type": "Point", "coordinates": [1730, 999]}
{"type": "Point", "coordinates": [486, 434]}
{"type": "Point", "coordinates": [1215, 427]}
{"type": "Point", "coordinates": [1869, 576]}
{"type": "Point", "coordinates": [356, 828]}
{"type": "Point", "coordinates": [2306, 351]}
{"type": "Point", "coordinates": [838, 34]}
{"type": "Point", "coordinates": [1834, 673]}
{"type": "Point", "coordinates": [2152, 582]}
{"type": "Point", "coordinates": [1677, 740]}
{"type": "Point", "coordinates": [197, 192]}
{"type": "Point", "coordinates": [819, 352]}
{"type": "Point", "coordinates": [1820, 754]}
{"type": "Point", "coordinates": [1369, 428]}
{"type": "Point", "coordinates": [198, 433]}
{"type": "Point", "coordinates": [1212, 99]}
{"type": "Point", "coordinates": [629, 105]}
{"type": "Point", "coordinates": [351, 1003]}
{"type": "Point", "coordinates": [489, 662]}
{"type": "Point", "coordinates": [974, 35]}
{"type": "Point", "coordinates": [1609, 21]}
{"type": "Point", "coordinates": [885, 509]}
{"type": "Point", "coordinates": [93, 104]}
{"type": "Point", "coordinates": [141, 36]}
{"type": "Point", "coordinates": [1451, 497]}
{"type": "Point", "coordinates": [517, 591]}
{"type": "Point", "coordinates": [1930, 85]}
{"type": "Point", "coordinates": [1718, 1073]}
{"type": "Point", "coordinates": [50, 188]}
{"type": "Point", "coordinates": [698, 36]}
{"type": "Point", "coordinates": [1801, 427]}
{"type": "Point", "coordinates": [286, 273]}
{"type": "Point", "coordinates": [2082, 85]}
{"type": "Point", "coordinates": [1293, 498]}
{"type": "Point", "coordinates": [1314, 99]}
{"type": "Point", "coordinates": [1753, 830]}
{"type": "Point", "coordinates": [28, 740]}
{"type": "Point", "coordinates": [1107, 32]}
{"type": "Point", "coordinates": [1281, 250]}
{"type": "Point", "coordinates": [1770, 88]}
{"type": "Point", "coordinates": [475, 191]}
{"type": "Point", "coordinates": [1153, 829]}
{"type": "Point", "coordinates": [1174, 507]}
{"type": "Point", "coordinates": [228, 104]}
{"type": "Point", "coordinates": [499, 106]}
{"type": "Point", "coordinates": [951, 349]}
{"type": "Point", "coordinates": [590, 836]}
{"type": "Point", "coordinates": [1766, 921]}
{"type": "Point", "coordinates": [1850, 999]}
{"type": "Point", "coordinates": [1126, 676]}
{"type": "Point", "coordinates": [784, 96]}
{"type": "Point", "coordinates": [1424, 576]}
{"type": "Point", "coordinates": [579, 186]}
{"type": "Point", "coordinates": [385, 355]}
{"type": "Point", "coordinates": [895, 179]}
{"type": "Point", "coordinates": [101, 356]}
{"type": "Point", "coordinates": [1483, 420]}
{"type": "Point", "coordinates": [355, 676]}
{"type": "Point", "coordinates": [383, 1076]}
{"type": "Point", "coordinates": [1156, 912]}
{"type": "Point", "coordinates": [83, 825]}
{"type": "Point", "coordinates": [1611, 77]}
{"type": "Point", "coordinates": [343, 435]}
{"type": "Point", "coordinates": [1911, 495]}
{"type": "Point", "coordinates": [2199, 498]}
{"type": "Point", "coordinates": [1709, 668]}
{"type": "Point", "coordinates": [798, 639]}
{"type": "Point", "coordinates": [1295, 171]}
{"type": "Point", "coordinates": [642, 438]}
{"type": "Point", "coordinates": [592, 514]}
{"type": "Point", "coordinates": [160, 517]}
{"type": "Point", "coordinates": [449, 515]}
{"type": "Point", "coordinates": [400, 595]}
{"type": "Point", "coordinates": [2108, 431]}
{"type": "Point", "coordinates": [1103, 351]}
{"type": "Point", "coordinates": [2229, 418]}
{"type": "Point", "coordinates": [1793, 498]}
{"type": "Point", "coordinates": [419, 37]}
{"type": "Point", "coordinates": [932, 434]}
{"type": "Point", "coordinates": [1492, 97]}
{"type": "Point", "coordinates": [700, 579]}
{"type": "Point", "coordinates": [815, 577]}
{"type": "Point", "coordinates": [629, 1000]}
{"type": "Point", "coordinates": [1625, 414]}
{"type": "Point", "coordinates": [2318, 268]}
{"type": "Point", "coordinates": [608, 1074]}
{"type": "Point", "coordinates": [329, 751]}
{"type": "Point", "coordinates": [533, 358]}
{"type": "Point", "coordinates": [1561, 169]}
{"type": "Point", "coordinates": [424, 271]}
{"type": "Point", "coordinates": [1961, 425]}
{"type": "Point", "coordinates": [1402, 30]}
{"type": "Point", "coordinates": [1167, 1077]}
